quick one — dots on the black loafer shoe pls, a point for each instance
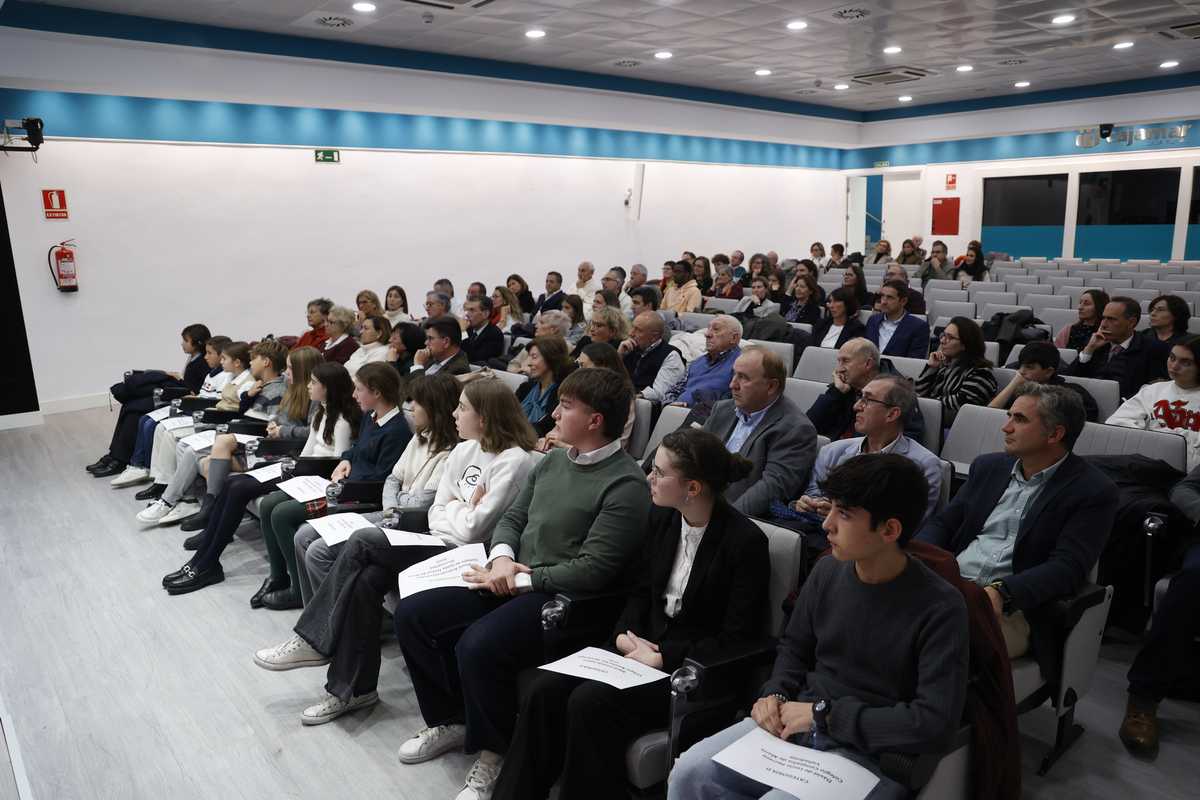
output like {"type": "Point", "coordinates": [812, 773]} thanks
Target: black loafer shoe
{"type": "Point", "coordinates": [153, 492]}
{"type": "Point", "coordinates": [193, 542]}
{"type": "Point", "coordinates": [192, 580]}
{"type": "Point", "coordinates": [105, 460]}
{"type": "Point", "coordinates": [281, 600]}
{"type": "Point", "coordinates": [199, 520]}
{"type": "Point", "coordinates": [268, 586]}
{"type": "Point", "coordinates": [114, 468]}
{"type": "Point", "coordinates": [173, 576]}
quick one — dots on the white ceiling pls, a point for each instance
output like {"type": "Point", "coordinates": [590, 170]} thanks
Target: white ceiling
{"type": "Point", "coordinates": [719, 44]}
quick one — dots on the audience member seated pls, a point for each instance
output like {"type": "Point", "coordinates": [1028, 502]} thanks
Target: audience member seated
{"type": "Point", "coordinates": [406, 339]}
{"type": "Point", "coordinates": [756, 304]}
{"type": "Point", "coordinates": [520, 290]}
{"type": "Point", "coordinates": [374, 337]}
{"type": "Point", "coordinates": [882, 254]}
{"type": "Point", "coordinates": [481, 339]}
{"type": "Point", "coordinates": [598, 355]}
{"type": "Point", "coordinates": [708, 378]}
{"type": "Point", "coordinates": [437, 304]}
{"type": "Point", "coordinates": [612, 281]}
{"type": "Point", "coordinates": [608, 325]}
{"type": "Point", "coordinates": [725, 285]}
{"type": "Point", "coordinates": [917, 239]}
{"type": "Point", "coordinates": [833, 413]}
{"type": "Point", "coordinates": [1116, 352]}
{"type": "Point", "coordinates": [336, 418]}
{"type": "Point", "coordinates": [138, 399]}
{"type": "Point", "coordinates": [368, 306]}
{"type": "Point", "coordinates": [683, 294]}
{"type": "Point", "coordinates": [653, 365]}
{"type": "Point", "coordinates": [1169, 317]}
{"type": "Point", "coordinates": [1172, 405]}
{"type": "Point", "coordinates": [702, 274]}
{"type": "Point", "coordinates": [895, 331]}
{"type": "Point", "coordinates": [577, 525]}
{"type": "Point", "coordinates": [875, 655]}
{"type": "Point", "coordinates": [442, 351]}
{"type": "Point", "coordinates": [854, 281]}
{"type": "Point", "coordinates": [1171, 639]}
{"type": "Point", "coordinates": [1039, 362]}
{"type": "Point", "coordinates": [973, 267]}
{"type": "Point", "coordinates": [506, 309]}
{"type": "Point", "coordinates": [340, 626]}
{"type": "Point", "coordinates": [340, 345]}
{"type": "Point", "coordinates": [552, 298]}
{"type": "Point", "coordinates": [549, 364]}
{"type": "Point", "coordinates": [701, 586]}
{"type": "Point", "coordinates": [884, 408]}
{"type": "Point", "coordinates": [837, 253]}
{"type": "Point", "coordinates": [767, 428]}
{"type": "Point", "coordinates": [938, 266]}
{"type": "Point", "coordinates": [1030, 522]}
{"type": "Point", "coordinates": [817, 255]}
{"type": "Point", "coordinates": [607, 298]}
{"type": "Point", "coordinates": [916, 300]}
{"type": "Point", "coordinates": [454, 306]}
{"type": "Point", "coordinates": [668, 275]}
{"type": "Point", "coordinates": [550, 323]}
{"type": "Point", "coordinates": [476, 287]}
{"type": "Point", "coordinates": [580, 324]}
{"type": "Point", "coordinates": [397, 306]}
{"type": "Point", "coordinates": [1091, 308]}
{"type": "Point", "coordinates": [736, 257]}
{"type": "Point", "coordinates": [759, 265]}
{"type": "Point", "coordinates": [842, 323]}
{"type": "Point", "coordinates": [908, 254]}
{"type": "Point", "coordinates": [586, 286]}
{"type": "Point", "coordinates": [645, 298]}
{"type": "Point", "coordinates": [316, 334]}
{"type": "Point", "coordinates": [803, 300]}
{"type": "Point", "coordinates": [637, 278]}
{"type": "Point", "coordinates": [958, 374]}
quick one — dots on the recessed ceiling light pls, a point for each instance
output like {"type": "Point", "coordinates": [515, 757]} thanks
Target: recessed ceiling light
{"type": "Point", "coordinates": [1169, 64]}
{"type": "Point", "coordinates": [965, 68]}
{"type": "Point", "coordinates": [891, 50]}
{"type": "Point", "coordinates": [797, 26]}
{"type": "Point", "coordinates": [535, 34]}
{"type": "Point", "coordinates": [1063, 20]}
{"type": "Point", "coordinates": [363, 7]}
{"type": "Point", "coordinates": [841, 86]}
{"type": "Point", "coordinates": [663, 54]}
{"type": "Point", "coordinates": [1021, 84]}
{"type": "Point", "coordinates": [1122, 45]}
{"type": "Point", "coordinates": [904, 98]}
{"type": "Point", "coordinates": [762, 72]}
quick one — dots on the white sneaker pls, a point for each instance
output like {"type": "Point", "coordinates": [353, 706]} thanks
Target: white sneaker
{"type": "Point", "coordinates": [293, 653]}
{"type": "Point", "coordinates": [432, 742]}
{"type": "Point", "coordinates": [130, 476]}
{"type": "Point", "coordinates": [481, 780]}
{"type": "Point", "coordinates": [331, 708]}
{"type": "Point", "coordinates": [180, 512]}
{"type": "Point", "coordinates": [155, 512]}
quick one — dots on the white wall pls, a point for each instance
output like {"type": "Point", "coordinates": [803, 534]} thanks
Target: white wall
{"type": "Point", "coordinates": [240, 238]}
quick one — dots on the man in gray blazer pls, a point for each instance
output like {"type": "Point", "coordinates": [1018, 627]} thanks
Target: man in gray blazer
{"type": "Point", "coordinates": [767, 428]}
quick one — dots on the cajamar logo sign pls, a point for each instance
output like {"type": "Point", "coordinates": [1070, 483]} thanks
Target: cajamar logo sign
{"type": "Point", "coordinates": [1127, 135]}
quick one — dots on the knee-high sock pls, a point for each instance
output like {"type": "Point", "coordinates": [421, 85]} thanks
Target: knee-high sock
{"type": "Point", "coordinates": [218, 471]}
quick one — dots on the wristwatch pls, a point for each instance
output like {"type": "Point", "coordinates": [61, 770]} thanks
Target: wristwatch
{"type": "Point", "coordinates": [820, 713]}
{"type": "Point", "coordinates": [1003, 591]}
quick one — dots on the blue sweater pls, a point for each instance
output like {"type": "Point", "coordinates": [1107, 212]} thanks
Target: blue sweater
{"type": "Point", "coordinates": [377, 448]}
{"type": "Point", "coordinates": [713, 378]}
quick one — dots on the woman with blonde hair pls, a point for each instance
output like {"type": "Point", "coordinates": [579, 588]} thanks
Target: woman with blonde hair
{"type": "Point", "coordinates": [368, 305]}
{"type": "Point", "coordinates": [506, 308]}
{"type": "Point", "coordinates": [340, 324]}
{"type": "Point", "coordinates": [608, 325]}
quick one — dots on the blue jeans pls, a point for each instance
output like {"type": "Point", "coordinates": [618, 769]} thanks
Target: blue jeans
{"type": "Point", "coordinates": [696, 775]}
{"type": "Point", "coordinates": [144, 442]}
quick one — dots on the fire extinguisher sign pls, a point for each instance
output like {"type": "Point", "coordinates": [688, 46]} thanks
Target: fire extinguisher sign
{"type": "Point", "coordinates": [54, 202]}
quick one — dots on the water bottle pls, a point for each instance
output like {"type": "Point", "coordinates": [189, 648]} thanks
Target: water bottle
{"type": "Point", "coordinates": [222, 428]}
{"type": "Point", "coordinates": [287, 467]}
{"type": "Point", "coordinates": [332, 492]}
{"type": "Point", "coordinates": [391, 519]}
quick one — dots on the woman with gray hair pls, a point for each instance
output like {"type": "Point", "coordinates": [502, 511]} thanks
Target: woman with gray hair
{"type": "Point", "coordinates": [340, 323]}
{"type": "Point", "coordinates": [724, 284]}
{"type": "Point", "coordinates": [550, 323]}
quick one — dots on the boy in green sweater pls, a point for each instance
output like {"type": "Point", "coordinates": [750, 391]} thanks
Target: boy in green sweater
{"type": "Point", "coordinates": [578, 524]}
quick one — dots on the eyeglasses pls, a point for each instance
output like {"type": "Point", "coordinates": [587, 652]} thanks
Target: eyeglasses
{"type": "Point", "coordinates": [600, 324]}
{"type": "Point", "coordinates": [432, 305]}
{"type": "Point", "coordinates": [863, 400]}
{"type": "Point", "coordinates": [657, 475]}
{"type": "Point", "coordinates": [945, 337]}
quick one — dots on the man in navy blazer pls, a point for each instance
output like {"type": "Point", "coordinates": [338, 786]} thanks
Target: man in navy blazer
{"type": "Point", "coordinates": [482, 339]}
{"type": "Point", "coordinates": [1139, 359]}
{"type": "Point", "coordinates": [1030, 522]}
{"type": "Point", "coordinates": [552, 298]}
{"type": "Point", "coordinates": [893, 330]}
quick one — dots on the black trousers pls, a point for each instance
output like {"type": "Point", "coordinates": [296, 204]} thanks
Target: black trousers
{"type": "Point", "coordinates": [125, 433]}
{"type": "Point", "coordinates": [578, 728]}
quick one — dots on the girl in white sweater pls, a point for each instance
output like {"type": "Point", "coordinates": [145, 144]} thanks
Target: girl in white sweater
{"type": "Point", "coordinates": [340, 625]}
{"type": "Point", "coordinates": [375, 333]}
{"type": "Point", "coordinates": [1172, 405]}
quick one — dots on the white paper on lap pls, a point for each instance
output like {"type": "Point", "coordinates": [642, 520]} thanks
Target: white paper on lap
{"type": "Point", "coordinates": [171, 423]}
{"type": "Point", "coordinates": [336, 528]}
{"type": "Point", "coordinates": [305, 487]}
{"type": "Point", "coordinates": [201, 440]}
{"type": "Point", "coordinates": [160, 413]}
{"type": "Point", "coordinates": [267, 473]}
{"type": "Point", "coordinates": [402, 538]}
{"type": "Point", "coordinates": [607, 667]}
{"type": "Point", "coordinates": [246, 438]}
{"type": "Point", "coordinates": [444, 569]}
{"type": "Point", "coordinates": [800, 771]}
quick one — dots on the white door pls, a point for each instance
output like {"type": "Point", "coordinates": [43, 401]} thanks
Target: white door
{"type": "Point", "coordinates": [856, 213]}
{"type": "Point", "coordinates": [902, 205]}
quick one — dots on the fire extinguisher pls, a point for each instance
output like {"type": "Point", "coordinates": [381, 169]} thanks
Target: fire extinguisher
{"type": "Point", "coordinates": [62, 267]}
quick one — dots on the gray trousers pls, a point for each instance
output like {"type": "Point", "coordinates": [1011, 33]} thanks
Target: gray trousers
{"type": "Point", "coordinates": [314, 558]}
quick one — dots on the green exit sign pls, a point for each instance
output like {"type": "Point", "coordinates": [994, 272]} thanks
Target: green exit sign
{"type": "Point", "coordinates": [878, 164]}
{"type": "Point", "coordinates": [329, 156]}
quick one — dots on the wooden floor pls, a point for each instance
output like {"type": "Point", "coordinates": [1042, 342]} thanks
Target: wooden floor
{"type": "Point", "coordinates": [116, 689]}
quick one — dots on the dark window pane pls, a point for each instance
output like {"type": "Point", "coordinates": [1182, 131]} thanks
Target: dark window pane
{"type": "Point", "coordinates": [1025, 200]}
{"type": "Point", "coordinates": [1194, 211]}
{"type": "Point", "coordinates": [1129, 197]}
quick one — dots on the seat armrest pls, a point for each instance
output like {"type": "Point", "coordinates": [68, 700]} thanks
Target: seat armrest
{"type": "Point", "coordinates": [168, 393]}
{"type": "Point", "coordinates": [268, 447]}
{"type": "Point", "coordinates": [915, 769]}
{"type": "Point", "coordinates": [358, 491]}
{"type": "Point", "coordinates": [571, 610]}
{"type": "Point", "coordinates": [716, 672]}
{"type": "Point", "coordinates": [212, 416]}
{"type": "Point", "coordinates": [316, 465]}
{"type": "Point", "coordinates": [1066, 610]}
{"type": "Point", "coordinates": [197, 403]}
{"type": "Point", "coordinates": [251, 426]}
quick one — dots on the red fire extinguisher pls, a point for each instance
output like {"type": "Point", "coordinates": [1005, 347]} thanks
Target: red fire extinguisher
{"type": "Point", "coordinates": [62, 267]}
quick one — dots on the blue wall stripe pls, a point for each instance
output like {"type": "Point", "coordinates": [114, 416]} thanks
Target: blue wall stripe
{"type": "Point", "coordinates": [151, 119]}
{"type": "Point", "coordinates": [1191, 250]}
{"type": "Point", "coordinates": [1124, 241]}
{"type": "Point", "coordinates": [874, 229]}
{"type": "Point", "coordinates": [1024, 240]}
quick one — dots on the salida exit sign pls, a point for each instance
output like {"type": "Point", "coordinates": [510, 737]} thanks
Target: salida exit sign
{"type": "Point", "coordinates": [329, 156]}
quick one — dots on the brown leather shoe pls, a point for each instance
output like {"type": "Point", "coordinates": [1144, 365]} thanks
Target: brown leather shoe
{"type": "Point", "coordinates": [1137, 729]}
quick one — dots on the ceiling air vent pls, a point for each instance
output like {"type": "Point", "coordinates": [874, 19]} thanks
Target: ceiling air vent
{"type": "Point", "coordinates": [449, 5]}
{"type": "Point", "coordinates": [332, 21]}
{"type": "Point", "coordinates": [1013, 62]}
{"type": "Point", "coordinates": [851, 14]}
{"type": "Point", "coordinates": [626, 63]}
{"type": "Point", "coordinates": [892, 75]}
{"type": "Point", "coordinates": [1181, 31]}
{"type": "Point", "coordinates": [806, 91]}
{"type": "Point", "coordinates": [324, 21]}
